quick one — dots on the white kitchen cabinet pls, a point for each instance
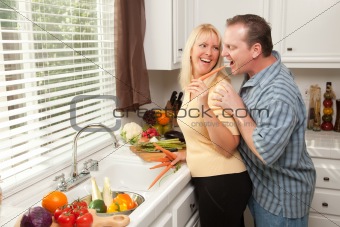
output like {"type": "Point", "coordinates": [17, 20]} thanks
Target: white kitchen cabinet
{"type": "Point", "coordinates": [168, 23]}
{"type": "Point", "coordinates": [182, 212]}
{"type": "Point", "coordinates": [216, 12]}
{"type": "Point", "coordinates": [165, 220]}
{"type": "Point", "coordinates": [320, 220]}
{"type": "Point", "coordinates": [305, 32]}
{"type": "Point", "coordinates": [325, 207]}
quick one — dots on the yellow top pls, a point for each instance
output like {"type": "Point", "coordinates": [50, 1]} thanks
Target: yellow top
{"type": "Point", "coordinates": [202, 158]}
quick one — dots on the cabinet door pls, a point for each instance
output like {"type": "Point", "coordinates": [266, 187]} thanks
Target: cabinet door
{"type": "Point", "coordinates": [216, 12]}
{"type": "Point", "coordinates": [306, 34]}
{"type": "Point", "coordinates": [165, 220]}
{"type": "Point", "coordinates": [327, 173]}
{"type": "Point", "coordinates": [158, 34]}
{"type": "Point", "coordinates": [179, 34]}
{"type": "Point", "coordinates": [326, 202]}
{"type": "Point", "coordinates": [317, 220]}
{"type": "Point", "coordinates": [184, 206]}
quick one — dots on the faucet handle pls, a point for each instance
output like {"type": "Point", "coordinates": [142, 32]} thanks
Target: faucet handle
{"type": "Point", "coordinates": [62, 185]}
{"type": "Point", "coordinates": [94, 166]}
{"type": "Point", "coordinates": [90, 165]}
{"type": "Point", "coordinates": [85, 167]}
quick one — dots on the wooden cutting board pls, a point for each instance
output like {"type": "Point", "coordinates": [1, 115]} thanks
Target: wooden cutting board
{"type": "Point", "coordinates": [148, 156]}
{"type": "Point", "coordinates": [98, 221]}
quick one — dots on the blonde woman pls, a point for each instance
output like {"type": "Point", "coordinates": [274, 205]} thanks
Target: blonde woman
{"type": "Point", "coordinates": [221, 181]}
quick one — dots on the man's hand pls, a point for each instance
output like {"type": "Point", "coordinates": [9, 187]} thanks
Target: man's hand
{"type": "Point", "coordinates": [225, 97]}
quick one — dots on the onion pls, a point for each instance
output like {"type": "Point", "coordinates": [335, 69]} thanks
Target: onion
{"type": "Point", "coordinates": [36, 217]}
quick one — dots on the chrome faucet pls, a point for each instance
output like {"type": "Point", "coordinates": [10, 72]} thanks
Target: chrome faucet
{"type": "Point", "coordinates": [75, 178]}
{"type": "Point", "coordinates": [74, 172]}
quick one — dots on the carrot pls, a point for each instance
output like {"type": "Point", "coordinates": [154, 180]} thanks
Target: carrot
{"type": "Point", "coordinates": [160, 165]}
{"type": "Point", "coordinates": [165, 159]}
{"type": "Point", "coordinates": [168, 153]}
{"type": "Point", "coordinates": [160, 175]}
{"type": "Point", "coordinates": [211, 73]}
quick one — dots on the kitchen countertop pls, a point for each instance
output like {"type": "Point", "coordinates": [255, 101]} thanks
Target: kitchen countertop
{"type": "Point", "coordinates": [155, 200]}
{"type": "Point", "coordinates": [318, 143]}
{"type": "Point", "coordinates": [323, 144]}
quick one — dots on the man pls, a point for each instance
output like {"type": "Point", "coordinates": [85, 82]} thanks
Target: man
{"type": "Point", "coordinates": [271, 117]}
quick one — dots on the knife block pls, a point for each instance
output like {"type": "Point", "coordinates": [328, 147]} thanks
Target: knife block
{"type": "Point", "coordinates": [174, 109]}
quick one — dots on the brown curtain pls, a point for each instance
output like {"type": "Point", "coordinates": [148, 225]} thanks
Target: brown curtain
{"type": "Point", "coordinates": [132, 81]}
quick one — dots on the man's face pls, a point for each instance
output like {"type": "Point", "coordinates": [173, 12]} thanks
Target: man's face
{"type": "Point", "coordinates": [236, 50]}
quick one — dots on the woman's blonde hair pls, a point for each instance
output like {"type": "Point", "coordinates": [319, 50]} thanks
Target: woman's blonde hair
{"type": "Point", "coordinates": [185, 75]}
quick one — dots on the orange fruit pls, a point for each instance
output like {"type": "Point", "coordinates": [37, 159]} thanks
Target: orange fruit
{"type": "Point", "coordinates": [53, 200]}
{"type": "Point", "coordinates": [163, 119]}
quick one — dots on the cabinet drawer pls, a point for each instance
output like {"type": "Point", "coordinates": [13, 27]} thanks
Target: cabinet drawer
{"type": "Point", "coordinates": [316, 220]}
{"type": "Point", "coordinates": [327, 173]}
{"type": "Point", "coordinates": [184, 207]}
{"type": "Point", "coordinates": [326, 202]}
{"type": "Point", "coordinates": [165, 220]}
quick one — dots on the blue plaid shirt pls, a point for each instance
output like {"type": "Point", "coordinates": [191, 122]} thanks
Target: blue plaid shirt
{"type": "Point", "coordinates": [287, 181]}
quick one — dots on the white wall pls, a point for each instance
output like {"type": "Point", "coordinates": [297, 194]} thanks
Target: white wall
{"type": "Point", "coordinates": [163, 82]}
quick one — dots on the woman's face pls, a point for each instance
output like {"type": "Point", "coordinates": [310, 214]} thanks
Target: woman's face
{"type": "Point", "coordinates": [204, 54]}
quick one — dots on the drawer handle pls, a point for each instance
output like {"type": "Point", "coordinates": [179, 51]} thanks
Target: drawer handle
{"type": "Point", "coordinates": [289, 49]}
{"type": "Point", "coordinates": [325, 204]}
{"type": "Point", "coordinates": [180, 49]}
{"type": "Point", "coordinates": [192, 206]}
{"type": "Point", "coordinates": [326, 178]}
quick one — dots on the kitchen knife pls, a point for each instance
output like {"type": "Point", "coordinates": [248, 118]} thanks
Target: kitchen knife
{"type": "Point", "coordinates": [179, 100]}
{"type": "Point", "coordinates": [173, 98]}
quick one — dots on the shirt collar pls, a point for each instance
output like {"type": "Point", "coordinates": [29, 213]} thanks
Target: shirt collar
{"type": "Point", "coordinates": [262, 78]}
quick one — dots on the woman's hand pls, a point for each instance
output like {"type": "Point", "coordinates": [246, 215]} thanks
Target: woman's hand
{"type": "Point", "coordinates": [225, 96]}
{"type": "Point", "coordinates": [198, 89]}
{"type": "Point", "coordinates": [181, 156]}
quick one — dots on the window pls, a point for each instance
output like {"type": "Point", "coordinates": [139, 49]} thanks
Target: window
{"type": "Point", "coordinates": [51, 52]}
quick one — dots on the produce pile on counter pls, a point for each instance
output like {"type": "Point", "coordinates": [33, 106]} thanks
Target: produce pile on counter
{"type": "Point", "coordinates": [103, 202]}
{"type": "Point", "coordinates": [161, 120]}
{"type": "Point", "coordinates": [156, 124]}
{"type": "Point", "coordinates": [170, 144]}
{"type": "Point", "coordinates": [56, 211]}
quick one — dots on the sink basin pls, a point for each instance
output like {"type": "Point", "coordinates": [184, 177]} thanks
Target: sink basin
{"type": "Point", "coordinates": [124, 176]}
{"type": "Point", "coordinates": [128, 176]}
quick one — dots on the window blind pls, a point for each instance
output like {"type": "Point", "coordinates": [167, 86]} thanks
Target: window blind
{"type": "Point", "coordinates": [51, 52]}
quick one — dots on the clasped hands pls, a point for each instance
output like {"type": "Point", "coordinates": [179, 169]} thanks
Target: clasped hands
{"type": "Point", "coordinates": [223, 96]}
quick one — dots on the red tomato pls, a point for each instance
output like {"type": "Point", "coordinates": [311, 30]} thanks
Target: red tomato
{"type": "Point", "coordinates": [66, 219]}
{"type": "Point", "coordinates": [61, 210]}
{"type": "Point", "coordinates": [84, 220]}
{"type": "Point", "coordinates": [79, 210]}
{"type": "Point", "coordinates": [78, 203]}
